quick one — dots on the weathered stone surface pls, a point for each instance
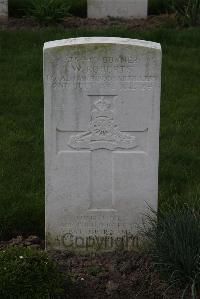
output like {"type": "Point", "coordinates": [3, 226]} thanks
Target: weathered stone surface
{"type": "Point", "coordinates": [117, 8]}
{"type": "Point", "coordinates": [102, 102]}
{"type": "Point", "coordinates": [3, 11]}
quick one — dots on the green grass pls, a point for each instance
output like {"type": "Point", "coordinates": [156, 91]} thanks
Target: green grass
{"type": "Point", "coordinates": [29, 273]}
{"type": "Point", "coordinates": [21, 121]}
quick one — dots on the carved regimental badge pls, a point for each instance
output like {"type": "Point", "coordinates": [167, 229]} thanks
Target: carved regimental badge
{"type": "Point", "coordinates": [104, 132]}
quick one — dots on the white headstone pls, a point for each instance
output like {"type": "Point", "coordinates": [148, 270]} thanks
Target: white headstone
{"type": "Point", "coordinates": [3, 11]}
{"type": "Point", "coordinates": [117, 8]}
{"type": "Point", "coordinates": [102, 104]}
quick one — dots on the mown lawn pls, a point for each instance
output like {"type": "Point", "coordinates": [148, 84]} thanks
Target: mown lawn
{"type": "Point", "coordinates": [21, 121]}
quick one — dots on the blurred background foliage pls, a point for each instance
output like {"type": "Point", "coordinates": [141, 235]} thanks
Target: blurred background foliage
{"type": "Point", "coordinates": [79, 7]}
{"type": "Point", "coordinates": [187, 12]}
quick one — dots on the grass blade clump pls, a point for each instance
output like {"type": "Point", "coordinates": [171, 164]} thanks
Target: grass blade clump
{"type": "Point", "coordinates": [175, 244]}
{"type": "Point", "coordinates": [48, 11]}
{"type": "Point", "coordinates": [188, 13]}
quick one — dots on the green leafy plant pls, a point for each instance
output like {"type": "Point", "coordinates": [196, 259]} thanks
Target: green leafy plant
{"type": "Point", "coordinates": [17, 8]}
{"type": "Point", "coordinates": [188, 13]}
{"type": "Point", "coordinates": [175, 245]}
{"type": "Point", "coordinates": [28, 273]}
{"type": "Point", "coordinates": [48, 11]}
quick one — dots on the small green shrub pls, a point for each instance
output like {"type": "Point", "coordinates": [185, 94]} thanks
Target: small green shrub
{"type": "Point", "coordinates": [188, 13]}
{"type": "Point", "coordinates": [48, 11]}
{"type": "Point", "coordinates": [175, 246]}
{"type": "Point", "coordinates": [28, 273]}
{"type": "Point", "coordinates": [18, 8]}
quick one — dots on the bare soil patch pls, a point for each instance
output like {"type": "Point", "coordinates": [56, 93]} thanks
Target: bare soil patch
{"type": "Point", "coordinates": [113, 275]}
{"type": "Point", "coordinates": [76, 22]}
{"type": "Point", "coordinates": [108, 275]}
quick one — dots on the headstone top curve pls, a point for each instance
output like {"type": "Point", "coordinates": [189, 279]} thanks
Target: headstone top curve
{"type": "Point", "coordinates": [102, 40]}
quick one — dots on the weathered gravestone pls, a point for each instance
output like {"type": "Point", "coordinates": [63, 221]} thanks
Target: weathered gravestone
{"type": "Point", "coordinates": [102, 99]}
{"type": "Point", "coordinates": [117, 8]}
{"type": "Point", "coordinates": [3, 11]}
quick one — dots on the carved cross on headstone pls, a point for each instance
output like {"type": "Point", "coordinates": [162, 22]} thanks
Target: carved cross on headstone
{"type": "Point", "coordinates": [102, 139]}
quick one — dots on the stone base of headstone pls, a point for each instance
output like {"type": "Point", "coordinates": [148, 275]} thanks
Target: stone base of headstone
{"type": "Point", "coordinates": [136, 9]}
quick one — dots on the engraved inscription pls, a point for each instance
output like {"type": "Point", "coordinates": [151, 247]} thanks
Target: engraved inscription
{"type": "Point", "coordinates": [102, 223]}
{"type": "Point", "coordinates": [85, 71]}
{"type": "Point", "coordinates": [104, 131]}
